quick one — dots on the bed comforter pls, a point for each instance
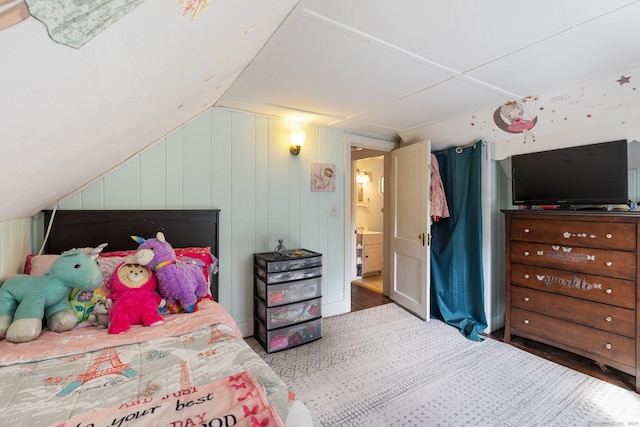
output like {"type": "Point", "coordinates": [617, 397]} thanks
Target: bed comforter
{"type": "Point", "coordinates": [62, 375]}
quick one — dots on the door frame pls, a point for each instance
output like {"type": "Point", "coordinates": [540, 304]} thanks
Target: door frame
{"type": "Point", "coordinates": [363, 142]}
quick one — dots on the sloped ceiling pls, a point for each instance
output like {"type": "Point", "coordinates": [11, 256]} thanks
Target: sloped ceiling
{"type": "Point", "coordinates": [69, 115]}
{"type": "Point", "coordinates": [405, 70]}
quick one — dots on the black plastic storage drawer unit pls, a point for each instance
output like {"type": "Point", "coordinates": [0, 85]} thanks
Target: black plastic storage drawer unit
{"type": "Point", "coordinates": [288, 298]}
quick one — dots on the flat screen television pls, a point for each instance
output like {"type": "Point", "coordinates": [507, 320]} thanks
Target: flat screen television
{"type": "Point", "coordinates": [587, 175]}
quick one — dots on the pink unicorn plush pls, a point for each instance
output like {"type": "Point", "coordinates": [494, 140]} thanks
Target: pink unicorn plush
{"type": "Point", "coordinates": [179, 283]}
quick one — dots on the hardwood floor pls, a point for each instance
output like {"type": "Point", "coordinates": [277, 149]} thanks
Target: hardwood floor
{"type": "Point", "coordinates": [362, 298]}
{"type": "Point", "coordinates": [570, 360]}
{"type": "Point", "coordinates": [373, 282]}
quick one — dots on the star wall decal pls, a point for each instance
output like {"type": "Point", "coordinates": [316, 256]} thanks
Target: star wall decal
{"type": "Point", "coordinates": [622, 80]}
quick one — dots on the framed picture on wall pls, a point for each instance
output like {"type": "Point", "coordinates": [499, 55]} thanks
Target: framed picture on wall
{"type": "Point", "coordinates": [323, 177]}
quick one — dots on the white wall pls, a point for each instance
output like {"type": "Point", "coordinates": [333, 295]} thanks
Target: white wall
{"type": "Point", "coordinates": [15, 244]}
{"type": "Point", "coordinates": [239, 163]}
{"type": "Point", "coordinates": [371, 215]}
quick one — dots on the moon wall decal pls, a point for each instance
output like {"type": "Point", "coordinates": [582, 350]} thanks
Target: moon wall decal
{"type": "Point", "coordinates": [497, 118]}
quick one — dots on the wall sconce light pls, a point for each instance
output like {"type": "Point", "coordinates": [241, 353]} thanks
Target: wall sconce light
{"type": "Point", "coordinates": [296, 141]}
{"type": "Point", "coordinates": [362, 176]}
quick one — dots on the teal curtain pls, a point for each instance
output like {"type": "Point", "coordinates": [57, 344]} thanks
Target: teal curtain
{"type": "Point", "coordinates": [457, 277]}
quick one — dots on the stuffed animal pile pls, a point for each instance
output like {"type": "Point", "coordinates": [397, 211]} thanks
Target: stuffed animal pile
{"type": "Point", "coordinates": [180, 283]}
{"type": "Point", "coordinates": [25, 300]}
{"type": "Point", "coordinates": [141, 287]}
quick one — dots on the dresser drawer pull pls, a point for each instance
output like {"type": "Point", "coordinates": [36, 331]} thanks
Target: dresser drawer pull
{"type": "Point", "coordinates": [525, 321]}
{"type": "Point", "coordinates": [526, 230]}
{"type": "Point", "coordinates": [608, 346]}
{"type": "Point", "coordinates": [608, 318]}
{"type": "Point", "coordinates": [608, 291]}
{"type": "Point", "coordinates": [608, 235]}
{"type": "Point", "coordinates": [526, 299]}
{"type": "Point", "coordinates": [526, 276]}
{"type": "Point", "coordinates": [608, 263]}
{"type": "Point", "coordinates": [526, 253]}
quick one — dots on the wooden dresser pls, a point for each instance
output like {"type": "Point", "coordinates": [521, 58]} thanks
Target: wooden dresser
{"type": "Point", "coordinates": [572, 282]}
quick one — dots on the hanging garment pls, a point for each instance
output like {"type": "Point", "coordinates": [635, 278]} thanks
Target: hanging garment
{"type": "Point", "coordinates": [439, 208]}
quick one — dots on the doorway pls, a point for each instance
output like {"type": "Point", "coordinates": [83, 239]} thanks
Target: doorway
{"type": "Point", "coordinates": [368, 219]}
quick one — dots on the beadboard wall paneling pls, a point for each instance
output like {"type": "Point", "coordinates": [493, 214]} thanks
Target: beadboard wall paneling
{"type": "Point", "coordinates": [239, 163]}
{"type": "Point", "coordinates": [242, 191]}
{"type": "Point", "coordinates": [15, 245]}
{"type": "Point", "coordinates": [153, 166]}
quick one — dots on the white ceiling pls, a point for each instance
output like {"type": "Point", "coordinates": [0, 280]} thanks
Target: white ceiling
{"type": "Point", "coordinates": [393, 68]}
{"type": "Point", "coordinates": [406, 69]}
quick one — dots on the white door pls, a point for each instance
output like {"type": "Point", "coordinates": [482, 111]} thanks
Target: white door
{"type": "Point", "coordinates": [411, 227]}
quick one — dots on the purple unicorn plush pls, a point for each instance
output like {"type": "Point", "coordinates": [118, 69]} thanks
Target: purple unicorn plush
{"type": "Point", "coordinates": [180, 283]}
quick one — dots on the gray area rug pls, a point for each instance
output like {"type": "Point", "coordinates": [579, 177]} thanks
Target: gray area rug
{"type": "Point", "coordinates": [385, 367]}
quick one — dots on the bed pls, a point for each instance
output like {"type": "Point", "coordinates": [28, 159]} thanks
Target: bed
{"type": "Point", "coordinates": [195, 369]}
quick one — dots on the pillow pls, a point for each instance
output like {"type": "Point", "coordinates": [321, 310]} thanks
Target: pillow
{"type": "Point", "coordinates": [37, 265]}
{"type": "Point", "coordinates": [201, 256]}
{"type": "Point", "coordinates": [209, 262]}
{"type": "Point", "coordinates": [117, 253]}
{"type": "Point", "coordinates": [108, 265]}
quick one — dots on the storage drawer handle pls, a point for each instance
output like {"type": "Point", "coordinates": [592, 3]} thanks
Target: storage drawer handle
{"type": "Point", "coordinates": [526, 276]}
{"type": "Point", "coordinates": [608, 318]}
{"type": "Point", "coordinates": [526, 299]}
{"type": "Point", "coordinates": [608, 263]}
{"type": "Point", "coordinates": [609, 235]}
{"type": "Point", "coordinates": [525, 321]}
{"type": "Point", "coordinates": [608, 346]}
{"type": "Point", "coordinates": [526, 253]}
{"type": "Point", "coordinates": [526, 230]}
{"type": "Point", "coordinates": [608, 291]}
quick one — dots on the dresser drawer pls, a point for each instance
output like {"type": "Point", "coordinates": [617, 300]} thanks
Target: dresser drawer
{"type": "Point", "coordinates": [582, 339]}
{"type": "Point", "coordinates": [607, 290]}
{"type": "Point", "coordinates": [304, 259]}
{"type": "Point", "coordinates": [289, 337]}
{"type": "Point", "coordinates": [285, 315]}
{"type": "Point", "coordinates": [604, 235]}
{"type": "Point", "coordinates": [588, 260]}
{"type": "Point", "coordinates": [621, 321]}
{"type": "Point", "coordinates": [286, 276]}
{"type": "Point", "coordinates": [288, 292]}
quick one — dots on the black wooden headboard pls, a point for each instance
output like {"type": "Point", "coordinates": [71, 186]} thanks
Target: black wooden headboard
{"type": "Point", "coordinates": [89, 228]}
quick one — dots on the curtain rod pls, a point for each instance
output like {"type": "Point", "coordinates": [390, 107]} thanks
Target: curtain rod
{"type": "Point", "coordinates": [460, 148]}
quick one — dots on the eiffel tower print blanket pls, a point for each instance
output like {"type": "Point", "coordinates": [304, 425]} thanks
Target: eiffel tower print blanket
{"type": "Point", "coordinates": [237, 400]}
{"type": "Point", "coordinates": [172, 366]}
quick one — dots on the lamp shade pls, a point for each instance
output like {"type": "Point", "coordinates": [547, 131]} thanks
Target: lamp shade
{"type": "Point", "coordinates": [296, 140]}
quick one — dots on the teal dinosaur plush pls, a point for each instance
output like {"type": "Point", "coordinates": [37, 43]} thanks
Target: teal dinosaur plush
{"type": "Point", "coordinates": [25, 300]}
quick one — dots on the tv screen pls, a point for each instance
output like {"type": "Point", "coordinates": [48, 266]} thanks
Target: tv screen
{"type": "Point", "coordinates": [593, 174]}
